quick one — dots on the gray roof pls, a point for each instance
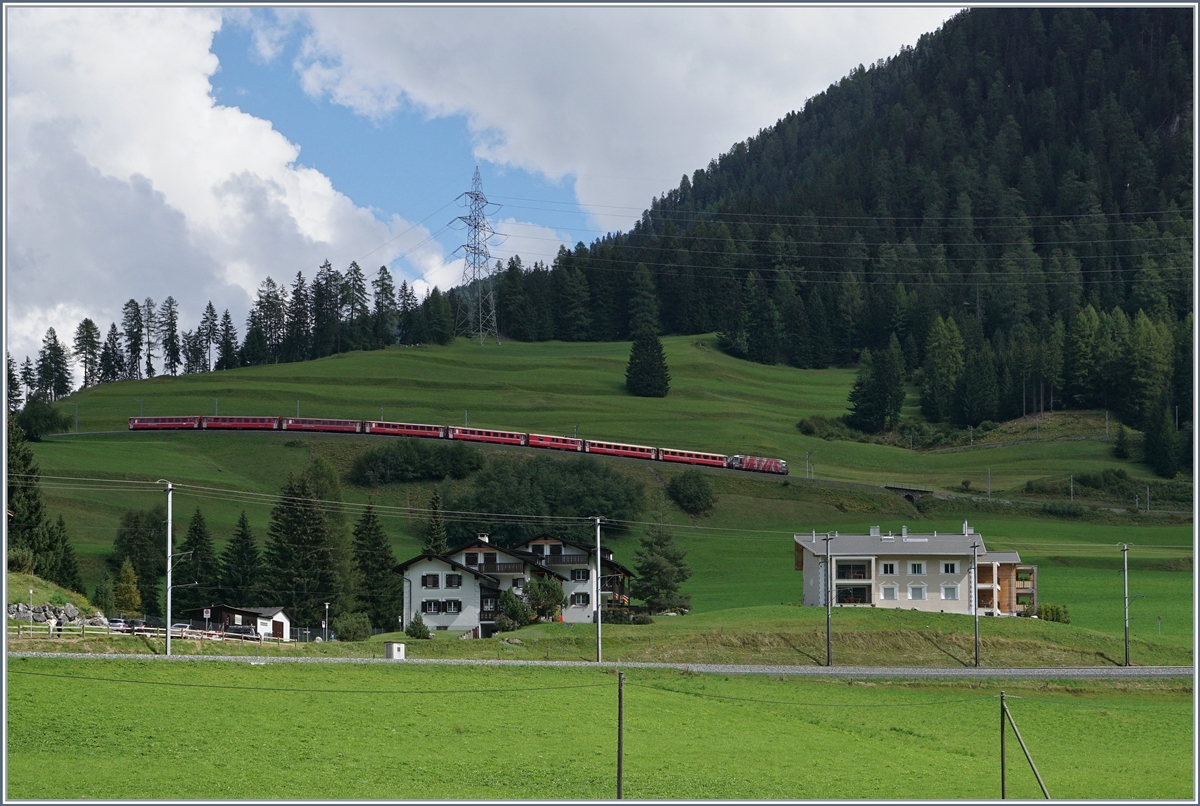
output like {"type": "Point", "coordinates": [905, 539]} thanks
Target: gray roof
{"type": "Point", "coordinates": [1000, 557]}
{"type": "Point", "coordinates": [913, 544]}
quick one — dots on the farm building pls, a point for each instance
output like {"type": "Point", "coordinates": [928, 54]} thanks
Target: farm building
{"type": "Point", "coordinates": [269, 622]}
{"type": "Point", "coordinates": [460, 590]}
{"type": "Point", "coordinates": [915, 571]}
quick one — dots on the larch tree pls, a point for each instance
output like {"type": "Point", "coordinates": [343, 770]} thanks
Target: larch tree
{"type": "Point", "coordinates": [127, 596]}
{"type": "Point", "coordinates": [150, 328]}
{"type": "Point", "coordinates": [169, 331]}
{"type": "Point", "coordinates": [86, 347]}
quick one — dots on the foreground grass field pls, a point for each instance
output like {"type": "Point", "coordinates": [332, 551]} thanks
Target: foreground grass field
{"type": "Point", "coordinates": [155, 730]}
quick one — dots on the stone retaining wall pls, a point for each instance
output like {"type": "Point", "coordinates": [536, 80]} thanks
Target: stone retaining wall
{"type": "Point", "coordinates": [67, 615]}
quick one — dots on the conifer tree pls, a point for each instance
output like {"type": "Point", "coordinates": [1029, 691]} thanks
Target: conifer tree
{"type": "Point", "coordinates": [53, 368]}
{"type": "Point", "coordinates": [13, 384]}
{"type": "Point", "coordinates": [24, 493]}
{"type": "Point", "coordinates": [112, 357]}
{"type": "Point", "coordinates": [661, 570]}
{"type": "Point", "coordinates": [87, 350]}
{"type": "Point", "coordinates": [300, 573]}
{"type": "Point", "coordinates": [643, 301]}
{"type": "Point", "coordinates": [202, 567]}
{"type": "Point", "coordinates": [241, 567]}
{"type": "Point", "coordinates": [103, 596]}
{"type": "Point", "coordinates": [127, 597]}
{"type": "Point", "coordinates": [384, 315]}
{"type": "Point", "coordinates": [1121, 445]}
{"type": "Point", "coordinates": [1161, 439]}
{"type": "Point", "coordinates": [435, 533]}
{"type": "Point", "coordinates": [209, 332]}
{"type": "Point", "coordinates": [134, 333]}
{"type": "Point", "coordinates": [64, 568]}
{"type": "Point", "coordinates": [150, 329]}
{"type": "Point", "coordinates": [169, 331]}
{"type": "Point", "coordinates": [647, 374]}
{"type": "Point", "coordinates": [227, 343]}
{"type": "Point", "coordinates": [141, 536]}
{"type": "Point", "coordinates": [380, 587]}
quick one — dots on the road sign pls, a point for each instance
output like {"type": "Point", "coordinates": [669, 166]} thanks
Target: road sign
{"type": "Point", "coordinates": [207, 613]}
{"type": "Point", "coordinates": [322, 625]}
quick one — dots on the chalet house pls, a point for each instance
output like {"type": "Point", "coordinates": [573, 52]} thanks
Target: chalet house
{"type": "Point", "coordinates": [928, 572]}
{"type": "Point", "coordinates": [269, 622]}
{"type": "Point", "coordinates": [460, 590]}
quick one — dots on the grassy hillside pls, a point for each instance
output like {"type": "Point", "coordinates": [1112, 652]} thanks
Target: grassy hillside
{"type": "Point", "coordinates": [741, 554]}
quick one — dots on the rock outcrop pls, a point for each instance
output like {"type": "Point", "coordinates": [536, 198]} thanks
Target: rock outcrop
{"type": "Point", "coordinates": [67, 615]}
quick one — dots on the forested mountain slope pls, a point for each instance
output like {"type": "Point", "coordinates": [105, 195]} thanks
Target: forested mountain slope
{"type": "Point", "coordinates": [1026, 173]}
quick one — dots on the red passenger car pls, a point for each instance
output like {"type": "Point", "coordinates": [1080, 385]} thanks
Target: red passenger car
{"type": "Point", "coordinates": [405, 429]}
{"type": "Point", "coordinates": [162, 423]}
{"type": "Point", "coordinates": [312, 424]}
{"type": "Point", "coordinates": [555, 443]}
{"type": "Point", "coordinates": [758, 464]}
{"type": "Point", "coordinates": [619, 449]}
{"type": "Point", "coordinates": [488, 435]}
{"type": "Point", "coordinates": [692, 457]}
{"type": "Point", "coordinates": [241, 423]}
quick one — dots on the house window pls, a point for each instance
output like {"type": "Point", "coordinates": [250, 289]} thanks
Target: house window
{"type": "Point", "coordinates": [852, 571]}
{"type": "Point", "coordinates": [949, 568]}
{"type": "Point", "coordinates": [453, 606]}
{"type": "Point", "coordinates": [555, 549]}
{"type": "Point", "coordinates": [916, 569]}
{"type": "Point", "coordinates": [917, 593]}
{"type": "Point", "coordinates": [431, 606]}
{"type": "Point", "coordinates": [889, 593]}
{"type": "Point", "coordinates": [887, 569]}
{"type": "Point", "coordinates": [472, 558]}
{"type": "Point", "coordinates": [581, 574]}
{"type": "Point", "coordinates": [488, 604]}
{"type": "Point", "coordinates": [518, 583]}
{"type": "Point", "coordinates": [854, 594]}
{"type": "Point", "coordinates": [580, 599]}
{"type": "Point", "coordinates": [453, 580]}
{"type": "Point", "coordinates": [950, 592]}
{"type": "Point", "coordinates": [429, 580]}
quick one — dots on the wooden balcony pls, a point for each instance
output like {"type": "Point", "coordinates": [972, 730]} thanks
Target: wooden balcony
{"type": "Point", "coordinates": [497, 568]}
{"type": "Point", "coordinates": [566, 559]}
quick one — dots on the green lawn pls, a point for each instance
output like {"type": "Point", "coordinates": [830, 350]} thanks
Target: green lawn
{"type": "Point", "coordinates": [214, 730]}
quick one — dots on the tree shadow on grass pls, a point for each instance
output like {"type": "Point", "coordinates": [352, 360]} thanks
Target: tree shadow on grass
{"type": "Point", "coordinates": [816, 661]}
{"type": "Point", "coordinates": [943, 650]}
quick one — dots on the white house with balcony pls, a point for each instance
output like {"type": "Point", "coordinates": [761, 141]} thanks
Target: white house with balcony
{"type": "Point", "coordinates": [914, 571]}
{"type": "Point", "coordinates": [460, 590]}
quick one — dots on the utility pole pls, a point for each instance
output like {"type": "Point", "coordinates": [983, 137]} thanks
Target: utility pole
{"type": "Point", "coordinates": [297, 408]}
{"type": "Point", "coordinates": [478, 272]}
{"type": "Point", "coordinates": [970, 434]}
{"type": "Point", "coordinates": [975, 595]}
{"type": "Point", "coordinates": [1072, 486]}
{"type": "Point", "coordinates": [325, 623]}
{"type": "Point", "coordinates": [1125, 564]}
{"type": "Point", "coordinates": [1147, 497]}
{"type": "Point", "coordinates": [466, 419]}
{"type": "Point", "coordinates": [806, 455]}
{"type": "Point", "coordinates": [216, 406]}
{"type": "Point", "coordinates": [1106, 423]}
{"type": "Point", "coordinates": [1003, 782]}
{"type": "Point", "coordinates": [170, 490]}
{"type": "Point", "coordinates": [989, 482]}
{"type": "Point", "coordinates": [141, 408]}
{"type": "Point", "coordinates": [620, 732]}
{"type": "Point", "coordinates": [596, 587]}
{"type": "Point", "coordinates": [828, 602]}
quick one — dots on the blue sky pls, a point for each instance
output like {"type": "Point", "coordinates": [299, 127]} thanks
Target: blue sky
{"type": "Point", "coordinates": [194, 151]}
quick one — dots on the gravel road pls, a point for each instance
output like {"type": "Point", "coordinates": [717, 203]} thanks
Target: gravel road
{"type": "Point", "coordinates": [1083, 673]}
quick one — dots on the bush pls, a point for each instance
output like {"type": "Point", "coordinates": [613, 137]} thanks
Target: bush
{"type": "Point", "coordinates": [416, 628]}
{"type": "Point", "coordinates": [515, 609]}
{"type": "Point", "coordinates": [351, 627]}
{"type": "Point", "coordinates": [1053, 612]}
{"type": "Point", "coordinates": [39, 418]}
{"type": "Point", "coordinates": [1067, 510]}
{"type": "Point", "coordinates": [415, 460]}
{"type": "Point", "coordinates": [692, 491]}
{"type": "Point", "coordinates": [625, 617]}
{"type": "Point", "coordinates": [21, 560]}
{"type": "Point", "coordinates": [506, 624]}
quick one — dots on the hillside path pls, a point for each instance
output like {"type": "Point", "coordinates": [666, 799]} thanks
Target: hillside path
{"type": "Point", "coordinates": [1007, 673]}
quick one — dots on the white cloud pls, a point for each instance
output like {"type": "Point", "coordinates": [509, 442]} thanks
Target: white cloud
{"type": "Point", "coordinates": [125, 178]}
{"type": "Point", "coordinates": [626, 100]}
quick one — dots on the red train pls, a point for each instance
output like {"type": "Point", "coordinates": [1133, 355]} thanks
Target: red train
{"type": "Point", "coordinates": [758, 464]}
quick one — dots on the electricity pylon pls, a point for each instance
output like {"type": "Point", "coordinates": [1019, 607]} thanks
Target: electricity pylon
{"type": "Point", "coordinates": [478, 316]}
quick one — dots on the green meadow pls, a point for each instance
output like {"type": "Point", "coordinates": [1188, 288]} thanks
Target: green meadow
{"type": "Point", "coordinates": [741, 553]}
{"type": "Point", "coordinates": [224, 730]}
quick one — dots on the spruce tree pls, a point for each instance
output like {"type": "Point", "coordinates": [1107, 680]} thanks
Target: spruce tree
{"type": "Point", "coordinates": [647, 374]}
{"type": "Point", "coordinates": [25, 502]}
{"type": "Point", "coordinates": [112, 357]}
{"type": "Point", "coordinates": [169, 330]}
{"type": "Point", "coordinates": [435, 533]}
{"type": "Point", "coordinates": [64, 571]}
{"type": "Point", "coordinates": [241, 567]}
{"type": "Point", "coordinates": [202, 567]}
{"type": "Point", "coordinates": [134, 333]}
{"type": "Point", "coordinates": [141, 536]}
{"type": "Point", "coordinates": [103, 596]}
{"type": "Point", "coordinates": [868, 410]}
{"type": "Point", "coordinates": [300, 573]}
{"type": "Point", "coordinates": [1121, 446]}
{"type": "Point", "coordinates": [1161, 439]}
{"type": "Point", "coordinates": [208, 332]}
{"type": "Point", "coordinates": [661, 570]}
{"type": "Point", "coordinates": [13, 384]}
{"type": "Point", "coordinates": [380, 588]}
{"type": "Point", "coordinates": [643, 301]}
{"type": "Point", "coordinates": [87, 350]}
{"type": "Point", "coordinates": [227, 343]}
{"type": "Point", "coordinates": [127, 597]}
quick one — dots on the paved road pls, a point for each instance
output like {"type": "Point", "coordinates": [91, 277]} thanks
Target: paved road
{"type": "Point", "coordinates": [1081, 673]}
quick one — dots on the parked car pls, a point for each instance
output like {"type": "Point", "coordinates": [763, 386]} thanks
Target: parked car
{"type": "Point", "coordinates": [136, 625]}
{"type": "Point", "coordinates": [117, 625]}
{"type": "Point", "coordinates": [183, 630]}
{"type": "Point", "coordinates": [241, 629]}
